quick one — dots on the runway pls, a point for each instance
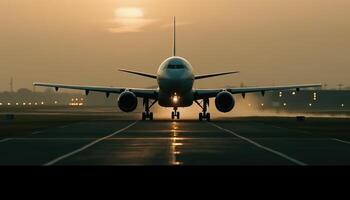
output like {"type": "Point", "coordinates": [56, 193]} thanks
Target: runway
{"type": "Point", "coordinates": [236, 141]}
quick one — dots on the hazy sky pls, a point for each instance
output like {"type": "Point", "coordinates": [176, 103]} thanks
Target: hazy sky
{"type": "Point", "coordinates": [85, 41]}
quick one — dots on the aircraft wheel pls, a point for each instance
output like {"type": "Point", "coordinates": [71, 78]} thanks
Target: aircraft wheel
{"type": "Point", "coordinates": [208, 117]}
{"type": "Point", "coordinates": [172, 115]}
{"type": "Point", "coordinates": [178, 115]}
{"type": "Point", "coordinates": [143, 116]}
{"type": "Point", "coordinates": [200, 117]}
{"type": "Point", "coordinates": [151, 116]}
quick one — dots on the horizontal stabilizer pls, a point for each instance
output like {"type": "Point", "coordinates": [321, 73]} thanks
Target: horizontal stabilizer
{"type": "Point", "coordinates": [139, 73]}
{"type": "Point", "coordinates": [214, 74]}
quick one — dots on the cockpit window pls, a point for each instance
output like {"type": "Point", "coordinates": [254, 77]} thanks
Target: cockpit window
{"type": "Point", "coordinates": [171, 66]}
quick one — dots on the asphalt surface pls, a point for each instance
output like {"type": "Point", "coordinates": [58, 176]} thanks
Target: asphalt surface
{"type": "Point", "coordinates": [237, 141]}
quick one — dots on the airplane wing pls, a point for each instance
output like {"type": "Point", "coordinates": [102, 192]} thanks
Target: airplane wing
{"type": "Point", "coordinates": [214, 74]}
{"type": "Point", "coordinates": [209, 93]}
{"type": "Point", "coordinates": [139, 92]}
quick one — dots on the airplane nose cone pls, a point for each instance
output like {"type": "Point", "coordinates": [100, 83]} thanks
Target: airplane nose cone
{"type": "Point", "coordinates": [176, 81]}
{"type": "Point", "coordinates": [176, 75]}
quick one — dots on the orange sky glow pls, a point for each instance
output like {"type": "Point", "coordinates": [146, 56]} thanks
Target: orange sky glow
{"type": "Point", "coordinates": [86, 41]}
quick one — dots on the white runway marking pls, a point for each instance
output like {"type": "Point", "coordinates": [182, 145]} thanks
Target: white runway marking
{"type": "Point", "coordinates": [5, 140]}
{"type": "Point", "coordinates": [261, 146]}
{"type": "Point", "coordinates": [36, 132]}
{"type": "Point", "coordinates": [342, 141]}
{"type": "Point", "coordinates": [87, 146]}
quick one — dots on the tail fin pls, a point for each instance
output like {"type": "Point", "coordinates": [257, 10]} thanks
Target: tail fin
{"type": "Point", "coordinates": [174, 38]}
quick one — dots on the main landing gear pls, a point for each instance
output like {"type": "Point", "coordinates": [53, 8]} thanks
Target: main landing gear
{"type": "Point", "coordinates": [204, 115]}
{"type": "Point", "coordinates": [147, 114]}
{"type": "Point", "coordinates": [174, 114]}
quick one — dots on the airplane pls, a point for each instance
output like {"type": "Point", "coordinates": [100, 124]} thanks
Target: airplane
{"type": "Point", "coordinates": [175, 79]}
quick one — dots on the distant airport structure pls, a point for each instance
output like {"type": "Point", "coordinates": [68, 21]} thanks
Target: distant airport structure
{"type": "Point", "coordinates": [26, 97]}
{"type": "Point", "coordinates": [289, 101]}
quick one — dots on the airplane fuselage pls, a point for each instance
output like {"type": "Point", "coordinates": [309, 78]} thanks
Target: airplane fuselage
{"type": "Point", "coordinates": [175, 79]}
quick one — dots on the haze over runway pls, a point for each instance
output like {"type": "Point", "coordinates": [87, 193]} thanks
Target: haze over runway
{"type": "Point", "coordinates": [97, 138]}
{"type": "Point", "coordinates": [84, 42]}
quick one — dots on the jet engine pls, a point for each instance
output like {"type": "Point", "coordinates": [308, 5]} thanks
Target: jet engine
{"type": "Point", "coordinates": [127, 101]}
{"type": "Point", "coordinates": [224, 101]}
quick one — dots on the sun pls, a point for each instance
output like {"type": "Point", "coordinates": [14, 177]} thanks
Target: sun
{"type": "Point", "coordinates": [129, 12]}
{"type": "Point", "coordinates": [130, 19]}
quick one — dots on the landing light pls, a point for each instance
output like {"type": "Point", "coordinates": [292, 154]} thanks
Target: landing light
{"type": "Point", "coordinates": [176, 99]}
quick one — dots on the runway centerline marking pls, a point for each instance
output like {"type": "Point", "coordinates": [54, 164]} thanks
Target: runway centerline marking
{"type": "Point", "coordinates": [261, 146]}
{"type": "Point", "coordinates": [6, 139]}
{"type": "Point", "coordinates": [88, 145]}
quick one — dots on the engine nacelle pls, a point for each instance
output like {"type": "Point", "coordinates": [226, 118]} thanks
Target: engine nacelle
{"type": "Point", "coordinates": [224, 101]}
{"type": "Point", "coordinates": [127, 101]}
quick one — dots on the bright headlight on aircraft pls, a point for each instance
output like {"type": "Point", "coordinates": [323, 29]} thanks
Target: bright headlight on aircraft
{"type": "Point", "coordinates": [175, 99]}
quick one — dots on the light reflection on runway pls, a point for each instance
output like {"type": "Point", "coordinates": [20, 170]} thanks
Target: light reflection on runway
{"type": "Point", "coordinates": [175, 143]}
{"type": "Point", "coordinates": [182, 142]}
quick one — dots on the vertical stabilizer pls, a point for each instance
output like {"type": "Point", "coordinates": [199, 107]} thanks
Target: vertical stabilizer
{"type": "Point", "coordinates": [174, 38]}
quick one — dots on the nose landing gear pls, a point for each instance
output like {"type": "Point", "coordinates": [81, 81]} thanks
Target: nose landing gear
{"type": "Point", "coordinates": [204, 114]}
{"type": "Point", "coordinates": [174, 114]}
